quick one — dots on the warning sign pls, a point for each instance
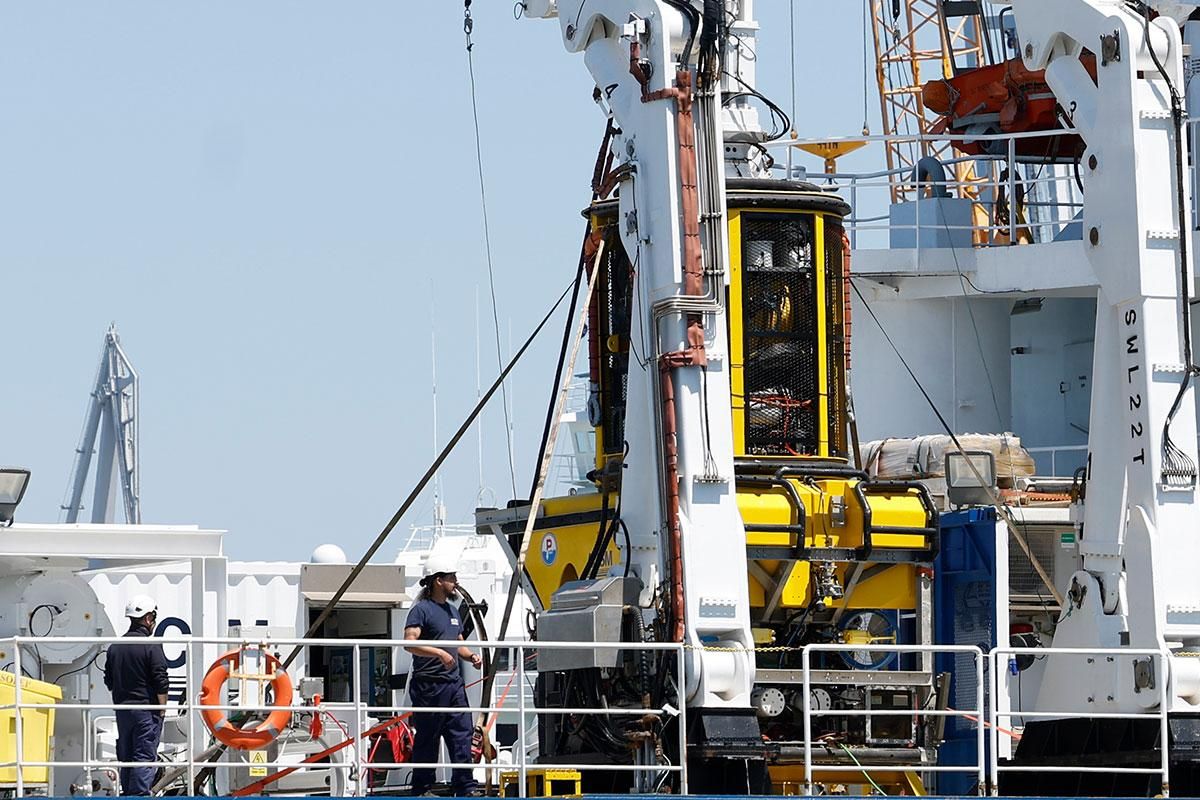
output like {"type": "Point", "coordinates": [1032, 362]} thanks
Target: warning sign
{"type": "Point", "coordinates": [258, 763]}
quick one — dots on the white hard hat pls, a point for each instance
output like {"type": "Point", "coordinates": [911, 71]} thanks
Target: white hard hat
{"type": "Point", "coordinates": [139, 606]}
{"type": "Point", "coordinates": [439, 563]}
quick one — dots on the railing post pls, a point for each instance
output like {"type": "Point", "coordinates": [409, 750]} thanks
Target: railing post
{"type": "Point", "coordinates": [917, 214]}
{"type": "Point", "coordinates": [807, 689]}
{"type": "Point", "coordinates": [357, 728]}
{"type": "Point", "coordinates": [522, 730]}
{"type": "Point", "coordinates": [1164, 733]}
{"type": "Point", "coordinates": [1012, 191]}
{"type": "Point", "coordinates": [681, 700]}
{"type": "Point", "coordinates": [981, 709]}
{"type": "Point", "coordinates": [854, 211]}
{"type": "Point", "coordinates": [191, 717]}
{"type": "Point", "coordinates": [994, 732]}
{"type": "Point", "coordinates": [19, 716]}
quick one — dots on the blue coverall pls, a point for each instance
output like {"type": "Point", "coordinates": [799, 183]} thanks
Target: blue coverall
{"type": "Point", "coordinates": [136, 673]}
{"type": "Point", "coordinates": [434, 684]}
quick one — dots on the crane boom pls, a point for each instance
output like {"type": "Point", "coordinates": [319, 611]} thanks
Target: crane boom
{"type": "Point", "coordinates": [1139, 517]}
{"type": "Point", "coordinates": [678, 498]}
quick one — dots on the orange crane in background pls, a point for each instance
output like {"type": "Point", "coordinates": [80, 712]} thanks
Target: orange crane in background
{"type": "Point", "coordinates": [916, 41]}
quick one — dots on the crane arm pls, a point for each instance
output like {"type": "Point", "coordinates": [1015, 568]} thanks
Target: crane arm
{"type": "Point", "coordinates": [1137, 530]}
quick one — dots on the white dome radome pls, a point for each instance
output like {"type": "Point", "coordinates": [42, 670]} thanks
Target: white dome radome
{"type": "Point", "coordinates": [328, 554]}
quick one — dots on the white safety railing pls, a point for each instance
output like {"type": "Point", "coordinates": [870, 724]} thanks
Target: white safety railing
{"type": "Point", "coordinates": [1047, 194]}
{"type": "Point", "coordinates": [1002, 718]}
{"type": "Point", "coordinates": [991, 716]}
{"type": "Point", "coordinates": [978, 713]}
{"type": "Point", "coordinates": [1050, 196]}
{"type": "Point", "coordinates": [356, 767]}
{"type": "Point", "coordinates": [1078, 454]}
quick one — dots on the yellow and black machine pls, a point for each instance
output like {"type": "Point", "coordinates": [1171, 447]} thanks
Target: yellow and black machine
{"type": "Point", "coordinates": [832, 557]}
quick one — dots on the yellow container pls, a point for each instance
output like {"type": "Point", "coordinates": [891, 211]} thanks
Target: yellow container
{"type": "Point", "coordinates": [37, 727]}
{"type": "Point", "coordinates": [542, 782]}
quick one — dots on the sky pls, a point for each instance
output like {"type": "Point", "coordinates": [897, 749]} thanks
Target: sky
{"type": "Point", "coordinates": [278, 205]}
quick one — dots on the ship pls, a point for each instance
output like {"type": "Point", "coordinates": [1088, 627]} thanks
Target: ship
{"type": "Point", "coordinates": [949, 553]}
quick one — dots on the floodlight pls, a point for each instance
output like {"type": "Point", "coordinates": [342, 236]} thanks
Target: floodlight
{"type": "Point", "coordinates": [13, 481]}
{"type": "Point", "coordinates": [970, 477]}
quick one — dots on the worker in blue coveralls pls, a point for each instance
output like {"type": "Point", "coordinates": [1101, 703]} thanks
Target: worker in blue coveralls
{"type": "Point", "coordinates": [136, 674]}
{"type": "Point", "coordinates": [435, 680]}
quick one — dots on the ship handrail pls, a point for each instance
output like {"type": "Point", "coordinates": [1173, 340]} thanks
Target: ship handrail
{"type": "Point", "coordinates": [195, 737]}
{"type": "Point", "coordinates": [978, 659]}
{"type": "Point", "coordinates": [991, 714]}
{"type": "Point", "coordinates": [1050, 210]}
{"type": "Point", "coordinates": [998, 715]}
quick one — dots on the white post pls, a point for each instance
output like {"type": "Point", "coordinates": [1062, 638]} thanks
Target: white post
{"type": "Point", "coordinates": [1164, 731]}
{"type": "Point", "coordinates": [358, 718]}
{"type": "Point", "coordinates": [20, 721]}
{"type": "Point", "coordinates": [981, 710]}
{"type": "Point", "coordinates": [188, 655]}
{"type": "Point", "coordinates": [1012, 191]}
{"type": "Point", "coordinates": [994, 732]}
{"type": "Point", "coordinates": [522, 729]}
{"type": "Point", "coordinates": [807, 689]}
{"type": "Point", "coordinates": [681, 701]}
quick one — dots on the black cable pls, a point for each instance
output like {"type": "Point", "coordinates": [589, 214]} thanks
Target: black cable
{"type": "Point", "coordinates": [562, 359]}
{"type": "Point", "coordinates": [423, 482]}
{"type": "Point", "coordinates": [1012, 210]}
{"type": "Point", "coordinates": [920, 387]}
{"type": "Point", "coordinates": [55, 609]}
{"type": "Point", "coordinates": [689, 12]}
{"type": "Point", "coordinates": [749, 91]}
{"type": "Point", "coordinates": [1178, 469]}
{"type": "Point", "coordinates": [6, 667]}
{"type": "Point", "coordinates": [628, 545]}
{"type": "Point", "coordinates": [605, 534]}
{"type": "Point", "coordinates": [91, 661]}
{"type": "Point", "coordinates": [594, 557]}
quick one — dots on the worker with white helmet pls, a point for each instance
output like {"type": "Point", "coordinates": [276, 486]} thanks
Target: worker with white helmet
{"type": "Point", "coordinates": [436, 681]}
{"type": "Point", "coordinates": [136, 674]}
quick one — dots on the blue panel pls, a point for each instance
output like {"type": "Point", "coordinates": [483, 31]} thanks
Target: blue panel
{"type": "Point", "coordinates": [964, 592]}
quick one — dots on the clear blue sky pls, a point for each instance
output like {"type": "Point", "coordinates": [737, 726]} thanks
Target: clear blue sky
{"type": "Point", "coordinates": [273, 200]}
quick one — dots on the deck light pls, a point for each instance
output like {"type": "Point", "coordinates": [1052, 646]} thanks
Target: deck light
{"type": "Point", "coordinates": [963, 484]}
{"type": "Point", "coordinates": [13, 481]}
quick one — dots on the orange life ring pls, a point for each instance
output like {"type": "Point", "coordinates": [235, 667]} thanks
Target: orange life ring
{"type": "Point", "coordinates": [264, 733]}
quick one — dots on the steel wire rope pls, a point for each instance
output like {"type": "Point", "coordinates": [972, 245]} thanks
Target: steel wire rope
{"type": "Point", "coordinates": [993, 495]}
{"type": "Point", "coordinates": [468, 27]}
{"type": "Point", "coordinates": [216, 750]}
{"type": "Point", "coordinates": [562, 353]}
{"type": "Point", "coordinates": [970, 312]}
{"type": "Point", "coordinates": [518, 573]}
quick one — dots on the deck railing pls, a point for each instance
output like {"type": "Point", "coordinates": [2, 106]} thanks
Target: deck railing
{"type": "Point", "coordinates": [990, 715]}
{"type": "Point", "coordinates": [1049, 197]}
{"type": "Point", "coordinates": [196, 740]}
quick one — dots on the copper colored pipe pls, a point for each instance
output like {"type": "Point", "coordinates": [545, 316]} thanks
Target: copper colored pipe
{"type": "Point", "coordinates": [693, 286]}
{"type": "Point", "coordinates": [671, 469]}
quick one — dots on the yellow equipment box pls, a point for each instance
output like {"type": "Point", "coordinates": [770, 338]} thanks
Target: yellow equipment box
{"type": "Point", "coordinates": [542, 782]}
{"type": "Point", "coordinates": [37, 727]}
